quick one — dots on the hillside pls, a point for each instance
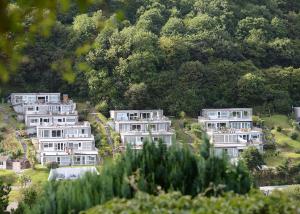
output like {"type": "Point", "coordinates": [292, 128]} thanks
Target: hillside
{"type": "Point", "coordinates": [174, 55]}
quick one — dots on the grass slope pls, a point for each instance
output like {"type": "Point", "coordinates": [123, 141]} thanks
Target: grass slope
{"type": "Point", "coordinates": [288, 148]}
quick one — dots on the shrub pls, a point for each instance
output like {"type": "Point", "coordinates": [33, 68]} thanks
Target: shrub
{"type": "Point", "coordinates": [102, 107]}
{"type": "Point", "coordinates": [253, 158]}
{"type": "Point", "coordinates": [174, 202]}
{"type": "Point", "coordinates": [294, 135]}
{"type": "Point", "coordinates": [278, 128]}
{"type": "Point", "coordinates": [196, 129]}
{"type": "Point", "coordinates": [269, 146]}
{"type": "Point", "coordinates": [153, 169]}
{"type": "Point", "coordinates": [52, 165]}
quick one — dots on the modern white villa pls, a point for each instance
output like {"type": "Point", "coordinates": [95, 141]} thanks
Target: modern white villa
{"type": "Point", "coordinates": [19, 100]}
{"type": "Point", "coordinates": [67, 144]}
{"type": "Point", "coordinates": [137, 126]}
{"type": "Point", "coordinates": [231, 130]}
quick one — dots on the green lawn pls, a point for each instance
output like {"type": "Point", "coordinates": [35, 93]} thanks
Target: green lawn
{"type": "Point", "coordinates": [39, 175]}
{"type": "Point", "coordinates": [285, 141]}
{"type": "Point", "coordinates": [274, 161]}
{"type": "Point", "coordinates": [182, 134]}
{"type": "Point", "coordinates": [277, 120]}
{"type": "Point", "coordinates": [288, 147]}
{"type": "Point", "coordinates": [8, 176]}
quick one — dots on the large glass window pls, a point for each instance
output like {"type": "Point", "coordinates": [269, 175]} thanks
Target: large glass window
{"type": "Point", "coordinates": [46, 133]}
{"type": "Point", "coordinates": [145, 115]}
{"type": "Point", "coordinates": [133, 116]}
{"type": "Point", "coordinates": [56, 133]}
{"type": "Point", "coordinates": [135, 127]}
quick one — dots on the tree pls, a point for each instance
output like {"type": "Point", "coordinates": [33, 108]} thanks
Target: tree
{"type": "Point", "coordinates": [24, 180]}
{"type": "Point", "coordinates": [252, 158]}
{"type": "Point", "coordinates": [31, 155]}
{"type": "Point", "coordinates": [4, 192]}
{"type": "Point", "coordinates": [137, 96]}
{"type": "Point", "coordinates": [155, 168]}
{"type": "Point", "coordinates": [251, 88]}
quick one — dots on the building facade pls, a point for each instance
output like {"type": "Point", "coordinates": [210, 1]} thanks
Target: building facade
{"type": "Point", "coordinates": [59, 136]}
{"type": "Point", "coordinates": [18, 100]}
{"type": "Point", "coordinates": [34, 120]}
{"type": "Point", "coordinates": [297, 114]}
{"type": "Point", "coordinates": [231, 130]}
{"type": "Point", "coordinates": [137, 126]}
{"type": "Point", "coordinates": [67, 144]}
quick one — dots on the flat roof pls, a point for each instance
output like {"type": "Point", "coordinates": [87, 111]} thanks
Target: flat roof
{"type": "Point", "coordinates": [56, 153]}
{"type": "Point", "coordinates": [77, 124]}
{"type": "Point", "coordinates": [132, 110]}
{"type": "Point", "coordinates": [52, 114]}
{"type": "Point", "coordinates": [60, 139]}
{"type": "Point", "coordinates": [224, 109]}
{"type": "Point", "coordinates": [37, 93]}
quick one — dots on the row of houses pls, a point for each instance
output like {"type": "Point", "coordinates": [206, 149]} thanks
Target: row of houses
{"type": "Point", "coordinates": [53, 122]}
{"type": "Point", "coordinates": [65, 140]}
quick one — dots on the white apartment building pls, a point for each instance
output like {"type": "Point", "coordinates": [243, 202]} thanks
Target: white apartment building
{"type": "Point", "coordinates": [231, 130]}
{"type": "Point", "coordinates": [67, 144]}
{"type": "Point", "coordinates": [34, 120]}
{"type": "Point", "coordinates": [18, 100]}
{"type": "Point", "coordinates": [38, 109]}
{"type": "Point", "coordinates": [137, 126]}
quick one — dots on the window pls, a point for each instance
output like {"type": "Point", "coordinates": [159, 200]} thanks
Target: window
{"type": "Point", "coordinates": [46, 133]}
{"type": "Point", "coordinates": [59, 120]}
{"type": "Point", "coordinates": [33, 120]}
{"type": "Point", "coordinates": [60, 146]}
{"type": "Point", "coordinates": [56, 133]}
{"type": "Point", "coordinates": [145, 115]}
{"type": "Point", "coordinates": [18, 99]}
{"type": "Point", "coordinates": [133, 116]}
{"type": "Point", "coordinates": [155, 139]}
{"type": "Point", "coordinates": [136, 127]}
{"type": "Point", "coordinates": [1, 163]}
{"type": "Point", "coordinates": [142, 139]}
{"type": "Point", "coordinates": [46, 120]}
{"type": "Point", "coordinates": [37, 108]}
{"type": "Point", "coordinates": [50, 145]}
{"type": "Point", "coordinates": [245, 113]}
{"type": "Point", "coordinates": [91, 158]}
{"type": "Point", "coordinates": [82, 131]}
{"type": "Point", "coordinates": [30, 109]}
{"type": "Point", "coordinates": [152, 127]}
{"type": "Point", "coordinates": [70, 120]}
{"type": "Point", "coordinates": [79, 145]}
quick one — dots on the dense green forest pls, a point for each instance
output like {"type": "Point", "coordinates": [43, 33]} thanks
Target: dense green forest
{"type": "Point", "coordinates": [177, 55]}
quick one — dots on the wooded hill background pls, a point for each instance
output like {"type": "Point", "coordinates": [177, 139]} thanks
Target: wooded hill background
{"type": "Point", "coordinates": [178, 55]}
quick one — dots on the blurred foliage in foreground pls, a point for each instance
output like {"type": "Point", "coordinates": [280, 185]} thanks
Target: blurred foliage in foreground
{"type": "Point", "coordinates": [22, 21]}
{"type": "Point", "coordinates": [254, 202]}
{"type": "Point", "coordinates": [154, 169]}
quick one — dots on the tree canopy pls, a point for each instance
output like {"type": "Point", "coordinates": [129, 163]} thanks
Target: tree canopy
{"type": "Point", "coordinates": [175, 55]}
